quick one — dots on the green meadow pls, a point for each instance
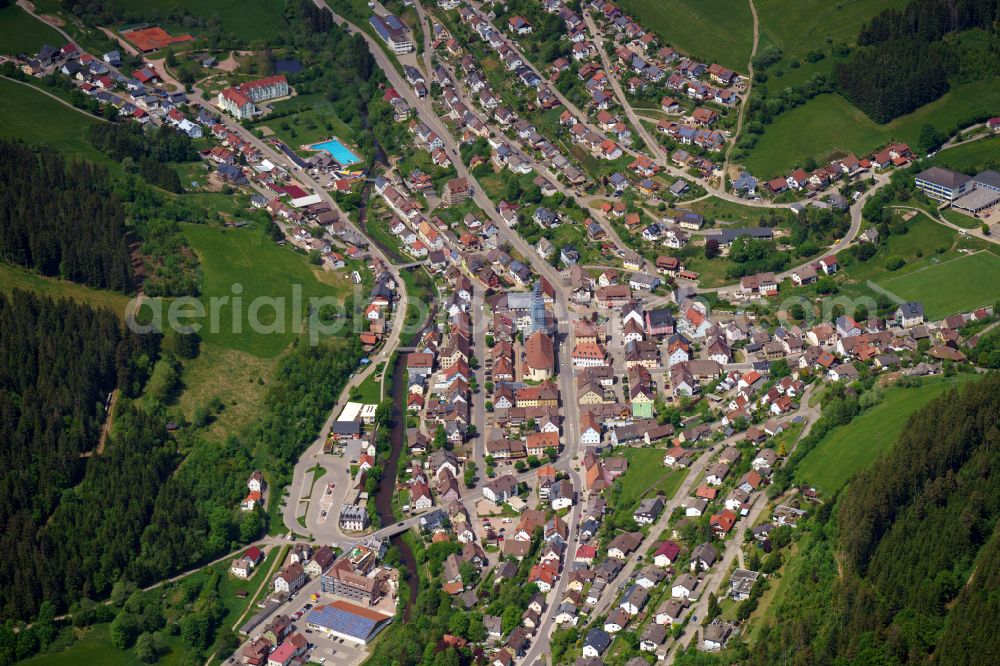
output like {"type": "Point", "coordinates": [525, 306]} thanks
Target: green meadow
{"type": "Point", "coordinates": [959, 285]}
{"type": "Point", "coordinates": [713, 30]}
{"type": "Point", "coordinates": [829, 124]}
{"type": "Point", "coordinates": [15, 277]}
{"type": "Point", "coordinates": [971, 156]}
{"type": "Point", "coordinates": [32, 116]}
{"type": "Point", "coordinates": [20, 32]}
{"type": "Point", "coordinates": [245, 263]}
{"type": "Point", "coordinates": [810, 24]}
{"type": "Point", "coordinates": [854, 446]}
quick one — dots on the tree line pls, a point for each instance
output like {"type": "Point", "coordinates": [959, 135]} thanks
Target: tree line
{"type": "Point", "coordinates": [149, 151]}
{"type": "Point", "coordinates": [62, 219]}
{"type": "Point", "coordinates": [60, 362]}
{"type": "Point", "coordinates": [77, 527]}
{"type": "Point", "coordinates": [928, 20]}
{"type": "Point", "coordinates": [147, 156]}
{"type": "Point", "coordinates": [904, 61]}
{"type": "Point", "coordinates": [902, 566]}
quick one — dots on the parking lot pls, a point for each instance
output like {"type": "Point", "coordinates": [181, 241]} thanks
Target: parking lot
{"type": "Point", "coordinates": [325, 650]}
{"type": "Point", "coordinates": [329, 650]}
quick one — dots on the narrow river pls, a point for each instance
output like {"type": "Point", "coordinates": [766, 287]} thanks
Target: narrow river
{"type": "Point", "coordinates": [387, 485]}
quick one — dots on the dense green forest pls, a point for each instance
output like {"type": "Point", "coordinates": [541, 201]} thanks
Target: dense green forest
{"type": "Point", "coordinates": [916, 541]}
{"type": "Point", "coordinates": [149, 150]}
{"type": "Point", "coordinates": [904, 60]}
{"type": "Point", "coordinates": [60, 362]}
{"type": "Point", "coordinates": [62, 219]}
{"type": "Point", "coordinates": [928, 20]}
{"type": "Point", "coordinates": [73, 220]}
{"type": "Point", "coordinates": [149, 504]}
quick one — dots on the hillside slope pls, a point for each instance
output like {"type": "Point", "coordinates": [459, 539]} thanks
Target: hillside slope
{"type": "Point", "coordinates": [902, 568]}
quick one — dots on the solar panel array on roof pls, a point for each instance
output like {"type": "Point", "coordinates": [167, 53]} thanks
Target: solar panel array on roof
{"type": "Point", "coordinates": [393, 22]}
{"type": "Point", "coordinates": [343, 622]}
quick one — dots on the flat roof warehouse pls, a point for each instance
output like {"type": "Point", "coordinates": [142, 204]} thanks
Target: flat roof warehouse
{"type": "Point", "coordinates": [977, 200]}
{"type": "Point", "coordinates": [347, 620]}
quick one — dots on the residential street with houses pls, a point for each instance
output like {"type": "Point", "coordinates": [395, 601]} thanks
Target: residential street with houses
{"type": "Point", "coordinates": [597, 420]}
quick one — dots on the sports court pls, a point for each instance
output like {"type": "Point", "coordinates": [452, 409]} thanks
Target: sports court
{"type": "Point", "coordinates": [153, 38]}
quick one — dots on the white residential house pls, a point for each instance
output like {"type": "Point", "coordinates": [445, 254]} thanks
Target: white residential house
{"type": "Point", "coordinates": [256, 482]}
{"type": "Point", "coordinates": [242, 567]}
{"type": "Point", "coordinates": [290, 579]}
{"type": "Point", "coordinates": [591, 436]}
{"type": "Point", "coordinates": [684, 586]}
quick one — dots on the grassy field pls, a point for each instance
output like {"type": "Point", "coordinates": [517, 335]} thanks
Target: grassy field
{"type": "Point", "coordinates": [252, 260]}
{"type": "Point", "coordinates": [646, 476]}
{"type": "Point", "coordinates": [234, 206]}
{"type": "Point", "coordinates": [856, 445]}
{"type": "Point", "coordinates": [711, 272]}
{"type": "Point", "coordinates": [973, 155]}
{"type": "Point", "coordinates": [93, 646]}
{"type": "Point", "coordinates": [924, 240]}
{"type": "Point", "coordinates": [829, 123]}
{"type": "Point", "coordinates": [783, 75]}
{"type": "Point", "coordinates": [766, 607]}
{"type": "Point", "coordinates": [926, 243]}
{"type": "Point", "coordinates": [421, 294]}
{"type": "Point", "coordinates": [237, 378]}
{"type": "Point", "coordinates": [27, 114]}
{"type": "Point", "coordinates": [958, 285]}
{"type": "Point", "coordinates": [13, 277]}
{"type": "Point", "coordinates": [377, 225]}
{"type": "Point", "coordinates": [714, 30]}
{"type": "Point", "coordinates": [369, 391]}
{"type": "Point", "coordinates": [714, 208]}
{"type": "Point", "coordinates": [20, 32]}
{"type": "Point", "coordinates": [810, 23]}
{"type": "Point", "coordinates": [961, 219]}
{"type": "Point", "coordinates": [248, 21]}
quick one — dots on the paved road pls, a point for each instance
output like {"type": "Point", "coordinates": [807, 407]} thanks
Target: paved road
{"type": "Point", "coordinates": [428, 40]}
{"type": "Point", "coordinates": [733, 546]}
{"type": "Point", "coordinates": [856, 221]}
{"type": "Point", "coordinates": [659, 154]}
{"type": "Point", "coordinates": [478, 407]}
{"type": "Point", "coordinates": [953, 142]}
{"type": "Point", "coordinates": [539, 167]}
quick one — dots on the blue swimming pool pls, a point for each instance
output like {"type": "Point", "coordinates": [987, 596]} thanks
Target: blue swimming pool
{"type": "Point", "coordinates": [338, 151]}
